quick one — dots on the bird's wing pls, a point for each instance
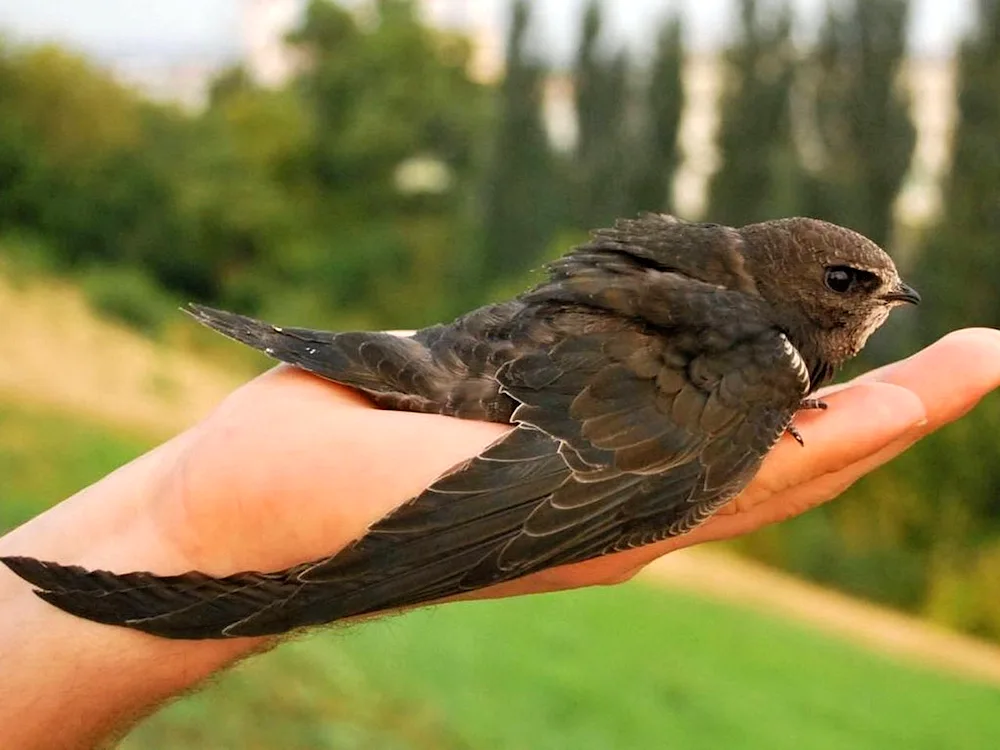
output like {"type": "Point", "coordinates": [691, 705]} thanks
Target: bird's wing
{"type": "Point", "coordinates": [442, 370]}
{"type": "Point", "coordinates": [665, 437]}
{"type": "Point", "coordinates": [709, 252]}
{"type": "Point", "coordinates": [623, 439]}
{"type": "Point", "coordinates": [651, 443]}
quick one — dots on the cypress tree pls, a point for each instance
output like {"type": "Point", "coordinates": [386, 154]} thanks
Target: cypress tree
{"type": "Point", "coordinates": [601, 164]}
{"type": "Point", "coordinates": [759, 176]}
{"type": "Point", "coordinates": [521, 201]}
{"type": "Point", "coordinates": [657, 155]}
{"type": "Point", "coordinates": [957, 272]}
{"type": "Point", "coordinates": [863, 119]}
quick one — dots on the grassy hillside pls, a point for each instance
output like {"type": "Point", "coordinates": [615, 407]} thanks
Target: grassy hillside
{"type": "Point", "coordinates": [57, 351]}
{"type": "Point", "coordinates": [626, 667]}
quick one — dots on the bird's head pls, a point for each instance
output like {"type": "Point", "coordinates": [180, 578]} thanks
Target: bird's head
{"type": "Point", "coordinates": [829, 286]}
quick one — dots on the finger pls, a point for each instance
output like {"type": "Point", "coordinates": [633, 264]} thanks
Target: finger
{"type": "Point", "coordinates": [828, 486]}
{"type": "Point", "coordinates": [860, 421]}
{"type": "Point", "coordinates": [980, 342]}
{"type": "Point", "coordinates": [951, 375]}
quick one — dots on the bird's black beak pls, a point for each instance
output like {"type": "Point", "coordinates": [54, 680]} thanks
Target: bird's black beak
{"type": "Point", "coordinates": [902, 293]}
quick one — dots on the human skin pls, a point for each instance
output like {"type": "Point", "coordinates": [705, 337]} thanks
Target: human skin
{"type": "Point", "coordinates": [291, 468]}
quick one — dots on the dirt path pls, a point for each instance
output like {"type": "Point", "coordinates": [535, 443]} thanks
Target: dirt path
{"type": "Point", "coordinates": [56, 352]}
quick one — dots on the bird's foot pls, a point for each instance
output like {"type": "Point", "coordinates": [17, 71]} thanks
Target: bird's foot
{"type": "Point", "coordinates": [806, 403]}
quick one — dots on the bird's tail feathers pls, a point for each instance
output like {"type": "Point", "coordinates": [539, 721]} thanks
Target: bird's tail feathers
{"type": "Point", "coordinates": [374, 362]}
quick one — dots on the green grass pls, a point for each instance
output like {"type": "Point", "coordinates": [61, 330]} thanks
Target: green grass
{"type": "Point", "coordinates": [47, 456]}
{"type": "Point", "coordinates": [629, 667]}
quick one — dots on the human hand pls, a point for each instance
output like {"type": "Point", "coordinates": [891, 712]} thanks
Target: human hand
{"type": "Point", "coordinates": [291, 468]}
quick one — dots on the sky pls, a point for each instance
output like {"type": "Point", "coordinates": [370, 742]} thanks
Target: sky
{"type": "Point", "coordinates": [114, 29]}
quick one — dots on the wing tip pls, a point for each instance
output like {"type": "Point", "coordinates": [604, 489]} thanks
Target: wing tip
{"type": "Point", "coordinates": [50, 582]}
{"type": "Point", "coordinates": [54, 584]}
{"type": "Point", "coordinates": [38, 573]}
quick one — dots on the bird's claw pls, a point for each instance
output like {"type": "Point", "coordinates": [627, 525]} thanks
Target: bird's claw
{"type": "Point", "coordinates": [806, 403]}
{"type": "Point", "coordinates": [794, 432]}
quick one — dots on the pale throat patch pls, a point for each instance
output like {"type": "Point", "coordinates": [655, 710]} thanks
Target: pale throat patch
{"type": "Point", "coordinates": [872, 324]}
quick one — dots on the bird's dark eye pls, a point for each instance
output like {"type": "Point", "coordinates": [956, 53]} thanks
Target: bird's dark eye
{"type": "Point", "coordinates": [839, 279]}
{"type": "Point", "coordinates": [844, 279]}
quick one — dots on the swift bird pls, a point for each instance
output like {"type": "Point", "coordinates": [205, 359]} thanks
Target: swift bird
{"type": "Point", "coordinates": [645, 380]}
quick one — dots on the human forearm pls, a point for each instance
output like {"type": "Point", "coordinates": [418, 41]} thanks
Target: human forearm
{"type": "Point", "coordinates": [70, 683]}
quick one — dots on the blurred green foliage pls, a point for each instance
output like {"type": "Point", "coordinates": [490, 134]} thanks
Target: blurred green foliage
{"type": "Point", "coordinates": [385, 187]}
{"type": "Point", "coordinates": [131, 296]}
{"type": "Point", "coordinates": [656, 155]}
{"type": "Point", "coordinates": [760, 175]}
{"type": "Point", "coordinates": [523, 200]}
{"type": "Point", "coordinates": [704, 674]}
{"type": "Point", "coordinates": [863, 127]}
{"type": "Point", "coordinates": [266, 195]}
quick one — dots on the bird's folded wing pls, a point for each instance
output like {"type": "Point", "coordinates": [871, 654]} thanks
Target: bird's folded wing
{"type": "Point", "coordinates": [623, 439]}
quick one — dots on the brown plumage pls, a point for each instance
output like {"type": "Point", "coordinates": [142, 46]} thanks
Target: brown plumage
{"type": "Point", "coordinates": [647, 378]}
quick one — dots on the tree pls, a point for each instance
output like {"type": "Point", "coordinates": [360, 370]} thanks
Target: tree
{"type": "Point", "coordinates": [657, 155]}
{"type": "Point", "coordinates": [521, 199]}
{"type": "Point", "coordinates": [959, 469]}
{"type": "Point", "coordinates": [74, 174]}
{"type": "Point", "coordinates": [381, 98]}
{"type": "Point", "coordinates": [957, 269]}
{"type": "Point", "coordinates": [601, 164]}
{"type": "Point", "coordinates": [347, 190]}
{"type": "Point", "coordinates": [863, 118]}
{"type": "Point", "coordinates": [381, 94]}
{"type": "Point", "coordinates": [759, 177]}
